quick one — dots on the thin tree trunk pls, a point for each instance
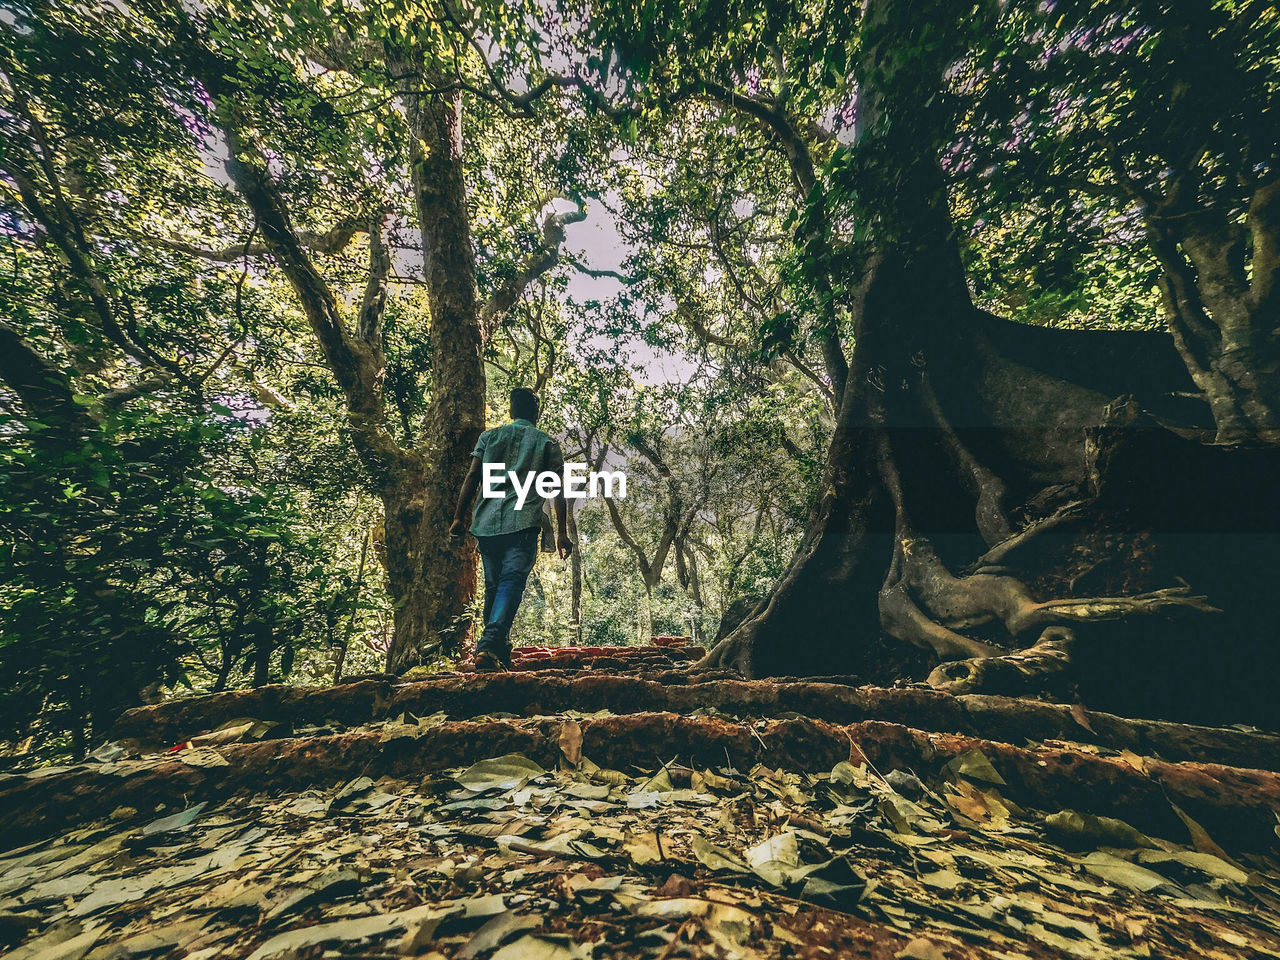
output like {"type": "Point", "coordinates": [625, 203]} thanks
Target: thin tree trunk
{"type": "Point", "coordinates": [575, 566]}
{"type": "Point", "coordinates": [341, 657]}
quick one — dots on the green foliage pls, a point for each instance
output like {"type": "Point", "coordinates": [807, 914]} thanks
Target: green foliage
{"type": "Point", "coordinates": [1087, 128]}
{"type": "Point", "coordinates": [133, 557]}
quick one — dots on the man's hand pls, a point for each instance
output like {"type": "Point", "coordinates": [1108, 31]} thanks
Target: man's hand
{"type": "Point", "coordinates": [564, 546]}
{"type": "Point", "coordinates": [457, 530]}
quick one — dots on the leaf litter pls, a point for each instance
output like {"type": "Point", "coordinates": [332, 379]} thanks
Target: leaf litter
{"type": "Point", "coordinates": [505, 859]}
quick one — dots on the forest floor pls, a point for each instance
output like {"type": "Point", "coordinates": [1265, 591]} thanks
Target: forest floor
{"type": "Point", "coordinates": [612, 805]}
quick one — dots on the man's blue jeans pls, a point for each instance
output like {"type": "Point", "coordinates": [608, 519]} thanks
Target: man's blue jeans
{"type": "Point", "coordinates": [507, 559]}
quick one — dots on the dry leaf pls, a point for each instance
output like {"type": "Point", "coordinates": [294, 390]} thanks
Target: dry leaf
{"type": "Point", "coordinates": [1081, 716]}
{"type": "Point", "coordinates": [1200, 838]}
{"type": "Point", "coordinates": [571, 742]}
{"type": "Point", "coordinates": [920, 949]}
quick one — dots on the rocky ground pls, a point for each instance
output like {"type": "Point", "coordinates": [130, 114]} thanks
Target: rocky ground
{"type": "Point", "coordinates": [610, 804]}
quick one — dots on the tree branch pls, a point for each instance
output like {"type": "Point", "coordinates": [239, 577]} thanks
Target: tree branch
{"type": "Point", "coordinates": [625, 535]}
{"type": "Point", "coordinates": [774, 118]}
{"type": "Point", "coordinates": [122, 395]}
{"type": "Point", "coordinates": [331, 241]}
{"type": "Point", "coordinates": [540, 262]}
{"type": "Point", "coordinates": [43, 389]}
{"type": "Point", "coordinates": [353, 361]}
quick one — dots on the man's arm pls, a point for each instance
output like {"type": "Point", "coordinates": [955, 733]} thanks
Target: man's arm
{"type": "Point", "coordinates": [564, 546]}
{"type": "Point", "coordinates": [469, 486]}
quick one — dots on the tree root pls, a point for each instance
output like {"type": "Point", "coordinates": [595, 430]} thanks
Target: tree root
{"type": "Point", "coordinates": [1089, 609]}
{"type": "Point", "coordinates": [997, 554]}
{"type": "Point", "coordinates": [901, 617]}
{"type": "Point", "coordinates": [1010, 673]}
{"type": "Point", "coordinates": [984, 485]}
{"type": "Point", "coordinates": [928, 606]}
{"type": "Point", "coordinates": [1234, 805]}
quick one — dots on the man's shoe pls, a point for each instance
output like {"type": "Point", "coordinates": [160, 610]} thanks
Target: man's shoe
{"type": "Point", "coordinates": [486, 662]}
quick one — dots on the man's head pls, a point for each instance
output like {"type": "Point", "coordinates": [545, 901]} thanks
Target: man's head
{"type": "Point", "coordinates": [524, 405]}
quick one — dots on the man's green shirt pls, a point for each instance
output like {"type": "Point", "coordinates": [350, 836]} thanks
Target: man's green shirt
{"type": "Point", "coordinates": [522, 447]}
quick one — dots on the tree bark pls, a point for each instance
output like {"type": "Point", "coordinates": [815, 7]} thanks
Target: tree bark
{"type": "Point", "coordinates": [435, 587]}
{"type": "Point", "coordinates": [1222, 310]}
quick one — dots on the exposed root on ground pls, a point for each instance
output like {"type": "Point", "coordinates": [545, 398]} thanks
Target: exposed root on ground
{"type": "Point", "coordinates": [327, 710]}
{"type": "Point", "coordinates": [1011, 672]}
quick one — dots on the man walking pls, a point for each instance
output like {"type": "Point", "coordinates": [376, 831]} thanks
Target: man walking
{"type": "Point", "coordinates": [507, 528]}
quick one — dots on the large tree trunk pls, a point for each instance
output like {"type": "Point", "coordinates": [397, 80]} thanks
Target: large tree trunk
{"type": "Point", "coordinates": [967, 443]}
{"type": "Point", "coordinates": [430, 582]}
{"type": "Point", "coordinates": [434, 581]}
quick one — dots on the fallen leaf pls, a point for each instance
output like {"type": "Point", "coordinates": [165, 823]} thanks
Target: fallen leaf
{"type": "Point", "coordinates": [1206, 863]}
{"type": "Point", "coordinates": [324, 887]}
{"type": "Point", "coordinates": [110, 752]}
{"type": "Point", "coordinates": [344, 930]}
{"type": "Point", "coordinates": [615, 778]}
{"type": "Point", "coordinates": [234, 731]}
{"type": "Point", "coordinates": [660, 782]}
{"type": "Point", "coordinates": [496, 931]}
{"type": "Point", "coordinates": [178, 821]}
{"type": "Point", "coordinates": [777, 860]}
{"type": "Point", "coordinates": [942, 879]}
{"type": "Point", "coordinates": [311, 807]}
{"type": "Point", "coordinates": [837, 884]}
{"type": "Point", "coordinates": [642, 848]}
{"type": "Point", "coordinates": [1132, 759]}
{"type": "Point", "coordinates": [501, 773]}
{"type": "Point", "coordinates": [55, 945]}
{"type": "Point", "coordinates": [587, 791]}
{"type": "Point", "coordinates": [717, 858]}
{"type": "Point", "coordinates": [203, 757]}
{"type": "Point", "coordinates": [591, 890]}
{"type": "Point", "coordinates": [1123, 873]}
{"type": "Point", "coordinates": [154, 940]}
{"type": "Point", "coordinates": [713, 780]}
{"type": "Point", "coordinates": [1200, 838]}
{"type": "Point", "coordinates": [418, 935]}
{"type": "Point", "coordinates": [1081, 716]}
{"type": "Point", "coordinates": [978, 805]}
{"type": "Point", "coordinates": [1087, 831]}
{"type": "Point", "coordinates": [571, 742]}
{"type": "Point", "coordinates": [541, 948]}
{"type": "Point", "coordinates": [974, 765]}
{"type": "Point", "coordinates": [486, 906]}
{"type": "Point", "coordinates": [352, 789]}
{"type": "Point", "coordinates": [920, 949]}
